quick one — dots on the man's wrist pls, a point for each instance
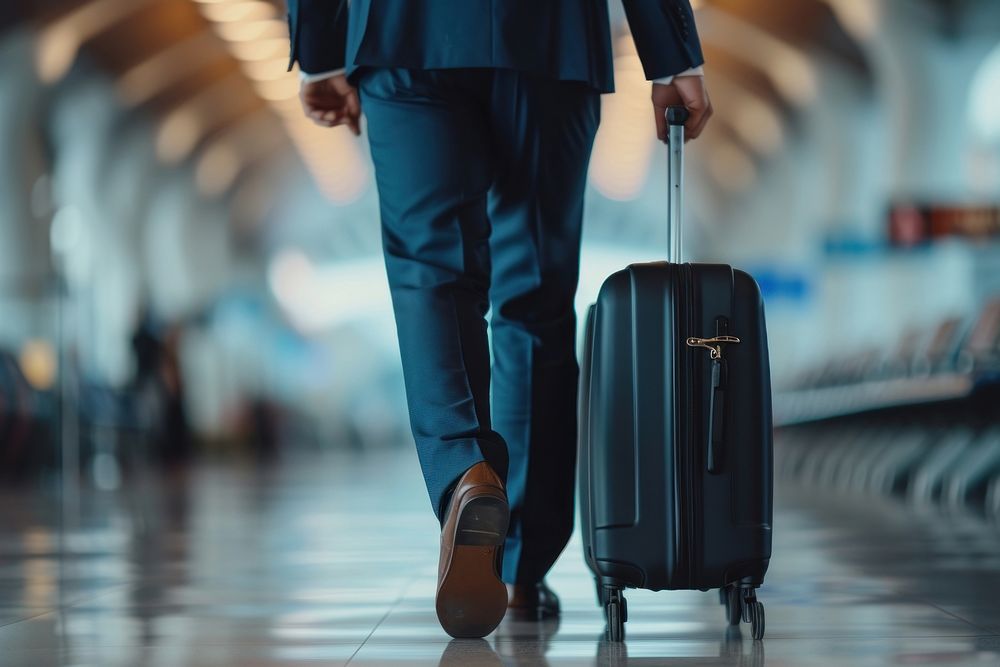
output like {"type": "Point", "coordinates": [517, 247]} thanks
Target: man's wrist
{"type": "Point", "coordinates": [694, 71]}
{"type": "Point", "coordinates": [306, 77]}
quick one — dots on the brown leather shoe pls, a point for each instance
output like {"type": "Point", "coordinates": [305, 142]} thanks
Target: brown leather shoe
{"type": "Point", "coordinates": [471, 598]}
{"type": "Point", "coordinates": [536, 601]}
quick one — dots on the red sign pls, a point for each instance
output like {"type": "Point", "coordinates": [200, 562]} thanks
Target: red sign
{"type": "Point", "coordinates": [912, 225]}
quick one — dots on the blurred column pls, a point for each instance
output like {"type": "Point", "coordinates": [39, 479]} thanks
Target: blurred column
{"type": "Point", "coordinates": [186, 251]}
{"type": "Point", "coordinates": [102, 172]}
{"type": "Point", "coordinates": [129, 179]}
{"type": "Point", "coordinates": [849, 130]}
{"type": "Point", "coordinates": [25, 266]}
{"type": "Point", "coordinates": [926, 54]}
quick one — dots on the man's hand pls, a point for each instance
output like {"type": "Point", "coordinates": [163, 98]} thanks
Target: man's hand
{"type": "Point", "coordinates": [687, 91]}
{"type": "Point", "coordinates": [331, 102]}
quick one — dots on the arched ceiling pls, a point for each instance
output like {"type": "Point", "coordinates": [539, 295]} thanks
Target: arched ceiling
{"type": "Point", "coordinates": [207, 68]}
{"type": "Point", "coordinates": [805, 24]}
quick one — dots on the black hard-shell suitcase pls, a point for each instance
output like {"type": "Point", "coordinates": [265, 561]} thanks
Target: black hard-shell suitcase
{"type": "Point", "coordinates": [675, 464]}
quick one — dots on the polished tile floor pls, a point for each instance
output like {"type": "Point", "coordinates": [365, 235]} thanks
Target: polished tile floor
{"type": "Point", "coordinates": [330, 559]}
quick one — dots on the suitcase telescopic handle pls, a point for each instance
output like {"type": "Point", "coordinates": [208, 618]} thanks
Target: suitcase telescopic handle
{"type": "Point", "coordinates": [676, 117]}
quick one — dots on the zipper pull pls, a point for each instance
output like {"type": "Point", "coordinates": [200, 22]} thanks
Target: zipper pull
{"type": "Point", "coordinates": [713, 344]}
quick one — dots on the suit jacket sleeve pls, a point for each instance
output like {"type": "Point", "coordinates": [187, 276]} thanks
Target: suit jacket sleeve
{"type": "Point", "coordinates": [665, 36]}
{"type": "Point", "coordinates": [317, 30]}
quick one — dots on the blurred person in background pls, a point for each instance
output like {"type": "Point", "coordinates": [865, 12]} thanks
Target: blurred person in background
{"type": "Point", "coordinates": [147, 388]}
{"type": "Point", "coordinates": [158, 388]}
{"type": "Point", "coordinates": [481, 119]}
{"type": "Point", "coordinates": [177, 445]}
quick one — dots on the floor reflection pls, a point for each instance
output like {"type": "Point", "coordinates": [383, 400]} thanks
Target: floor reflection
{"type": "Point", "coordinates": [461, 652]}
{"type": "Point", "coordinates": [734, 650]}
{"type": "Point", "coordinates": [331, 560]}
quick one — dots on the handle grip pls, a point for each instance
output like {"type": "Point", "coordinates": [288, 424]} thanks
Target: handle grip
{"type": "Point", "coordinates": [676, 117]}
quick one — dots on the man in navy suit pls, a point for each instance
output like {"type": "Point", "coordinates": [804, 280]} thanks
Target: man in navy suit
{"type": "Point", "coordinates": [481, 116]}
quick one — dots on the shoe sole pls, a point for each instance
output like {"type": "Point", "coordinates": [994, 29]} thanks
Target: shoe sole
{"type": "Point", "coordinates": [472, 600]}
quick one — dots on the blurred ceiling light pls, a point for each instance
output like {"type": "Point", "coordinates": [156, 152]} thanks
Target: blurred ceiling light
{"type": "Point", "coordinates": [56, 51]}
{"type": "Point", "coordinates": [788, 68]}
{"type": "Point", "coordinates": [731, 167]}
{"type": "Point", "coordinates": [217, 170]}
{"type": "Point", "coordinates": [178, 135]}
{"type": "Point", "coordinates": [142, 81]}
{"type": "Point", "coordinates": [794, 78]}
{"type": "Point", "coordinates": [859, 17]}
{"type": "Point", "coordinates": [623, 148]}
{"type": "Point", "coordinates": [59, 41]}
{"type": "Point", "coordinates": [253, 31]}
{"type": "Point", "coordinates": [38, 363]}
{"type": "Point", "coordinates": [758, 125]}
{"type": "Point", "coordinates": [263, 49]}
{"type": "Point", "coordinates": [183, 127]}
{"type": "Point", "coordinates": [756, 121]}
{"type": "Point", "coordinates": [257, 36]}
{"type": "Point", "coordinates": [268, 70]}
{"type": "Point", "coordinates": [249, 10]}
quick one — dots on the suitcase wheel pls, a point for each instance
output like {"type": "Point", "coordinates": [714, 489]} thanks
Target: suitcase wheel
{"type": "Point", "coordinates": [744, 606]}
{"type": "Point", "coordinates": [616, 613]}
{"type": "Point", "coordinates": [757, 620]}
{"type": "Point", "coordinates": [731, 598]}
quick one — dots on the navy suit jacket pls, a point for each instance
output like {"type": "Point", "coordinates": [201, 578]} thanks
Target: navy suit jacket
{"type": "Point", "coordinates": [561, 39]}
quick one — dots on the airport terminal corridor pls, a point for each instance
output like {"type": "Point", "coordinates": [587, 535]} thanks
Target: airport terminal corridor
{"type": "Point", "coordinates": [229, 331]}
{"type": "Point", "coordinates": [331, 559]}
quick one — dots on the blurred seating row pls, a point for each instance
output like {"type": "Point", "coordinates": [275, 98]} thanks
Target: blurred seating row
{"type": "Point", "coordinates": [26, 416]}
{"type": "Point", "coordinates": [32, 420]}
{"type": "Point", "coordinates": [950, 360]}
{"type": "Point", "coordinates": [945, 454]}
{"type": "Point", "coordinates": [143, 422]}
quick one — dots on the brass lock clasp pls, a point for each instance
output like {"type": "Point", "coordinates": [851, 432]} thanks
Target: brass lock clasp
{"type": "Point", "coordinates": [714, 345]}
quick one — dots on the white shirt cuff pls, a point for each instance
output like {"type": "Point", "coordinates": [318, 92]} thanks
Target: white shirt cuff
{"type": "Point", "coordinates": [694, 71]}
{"type": "Point", "coordinates": [319, 76]}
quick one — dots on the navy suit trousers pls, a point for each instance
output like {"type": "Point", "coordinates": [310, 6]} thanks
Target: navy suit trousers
{"type": "Point", "coordinates": [481, 176]}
